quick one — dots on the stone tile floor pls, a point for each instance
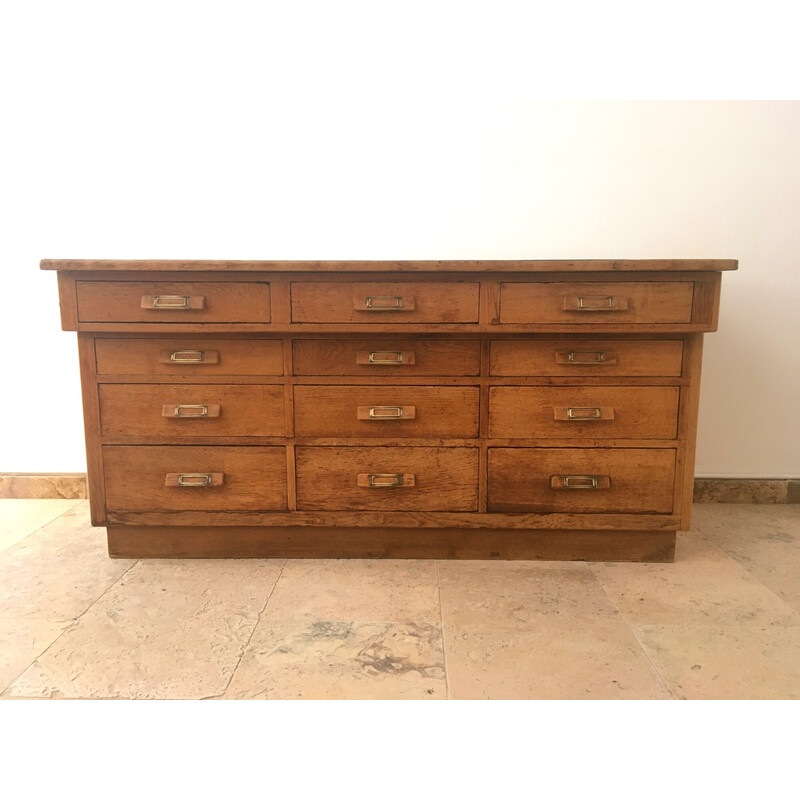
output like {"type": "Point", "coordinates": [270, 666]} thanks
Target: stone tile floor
{"type": "Point", "coordinates": [722, 622]}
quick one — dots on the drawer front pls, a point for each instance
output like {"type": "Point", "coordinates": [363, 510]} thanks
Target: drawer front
{"type": "Point", "coordinates": [386, 357]}
{"type": "Point", "coordinates": [386, 411]}
{"type": "Point", "coordinates": [587, 357]}
{"type": "Point", "coordinates": [194, 357]}
{"type": "Point", "coordinates": [575, 412]}
{"type": "Point", "coordinates": [162, 301]}
{"type": "Point", "coordinates": [387, 478]}
{"type": "Point", "coordinates": [569, 303]}
{"type": "Point", "coordinates": [180, 410]}
{"type": "Point", "coordinates": [145, 478]}
{"type": "Point", "coordinates": [377, 303]}
{"type": "Point", "coordinates": [581, 480]}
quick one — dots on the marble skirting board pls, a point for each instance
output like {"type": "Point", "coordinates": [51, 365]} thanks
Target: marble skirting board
{"type": "Point", "coordinates": [72, 486]}
{"type": "Point", "coordinates": [43, 485]}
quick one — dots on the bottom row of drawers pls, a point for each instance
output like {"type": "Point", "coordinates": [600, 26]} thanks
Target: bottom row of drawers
{"type": "Point", "coordinates": [194, 478]}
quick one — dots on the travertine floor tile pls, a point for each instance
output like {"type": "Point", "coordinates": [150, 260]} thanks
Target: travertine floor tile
{"type": "Point", "coordinates": [764, 539]}
{"type": "Point", "coordinates": [726, 663]}
{"type": "Point", "coordinates": [557, 658]}
{"type": "Point", "coordinates": [318, 660]}
{"type": "Point", "coordinates": [57, 572]}
{"type": "Point", "coordinates": [168, 629]}
{"type": "Point", "coordinates": [18, 518]}
{"type": "Point", "coordinates": [481, 595]}
{"type": "Point", "coordinates": [355, 589]}
{"type": "Point", "coordinates": [22, 640]}
{"type": "Point", "coordinates": [703, 586]}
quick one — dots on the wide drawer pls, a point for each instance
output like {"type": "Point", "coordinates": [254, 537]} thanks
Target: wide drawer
{"type": "Point", "coordinates": [575, 412]}
{"type": "Point", "coordinates": [581, 480]}
{"type": "Point", "coordinates": [145, 478]}
{"type": "Point", "coordinates": [386, 411]}
{"type": "Point", "coordinates": [586, 357]}
{"type": "Point", "coordinates": [590, 303]}
{"type": "Point", "coordinates": [376, 303]}
{"type": "Point", "coordinates": [386, 357]}
{"type": "Point", "coordinates": [163, 301]}
{"type": "Point", "coordinates": [180, 410]}
{"type": "Point", "coordinates": [189, 356]}
{"type": "Point", "coordinates": [387, 478]}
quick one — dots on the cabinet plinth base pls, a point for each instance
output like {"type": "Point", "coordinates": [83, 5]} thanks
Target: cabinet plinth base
{"type": "Point", "coordinates": [126, 541]}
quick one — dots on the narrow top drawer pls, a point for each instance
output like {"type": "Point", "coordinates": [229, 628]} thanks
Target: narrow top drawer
{"type": "Point", "coordinates": [163, 301]}
{"type": "Point", "coordinates": [371, 303]}
{"type": "Point", "coordinates": [595, 303]}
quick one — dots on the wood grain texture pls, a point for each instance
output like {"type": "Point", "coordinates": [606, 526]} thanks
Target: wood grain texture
{"type": "Point", "coordinates": [588, 357]}
{"type": "Point", "coordinates": [497, 265]}
{"type": "Point", "coordinates": [139, 356]}
{"type": "Point", "coordinates": [413, 543]}
{"type": "Point", "coordinates": [135, 409]}
{"type": "Point", "coordinates": [438, 411]}
{"type": "Point", "coordinates": [440, 357]}
{"type": "Point", "coordinates": [640, 480]}
{"type": "Point", "coordinates": [468, 520]}
{"type": "Point", "coordinates": [511, 350]}
{"type": "Point", "coordinates": [684, 488]}
{"type": "Point", "coordinates": [635, 412]}
{"type": "Point", "coordinates": [91, 428]}
{"type": "Point", "coordinates": [254, 478]}
{"type": "Point", "coordinates": [641, 302]}
{"type": "Point", "coordinates": [121, 301]}
{"type": "Point", "coordinates": [346, 302]}
{"type": "Point", "coordinates": [446, 479]}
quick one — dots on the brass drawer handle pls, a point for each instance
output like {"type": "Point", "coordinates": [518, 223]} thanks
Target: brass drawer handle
{"type": "Point", "coordinates": [173, 302]}
{"type": "Point", "coordinates": [595, 303]}
{"type": "Point", "coordinates": [187, 411]}
{"type": "Point", "coordinates": [386, 412]}
{"type": "Point", "coordinates": [586, 357]}
{"type": "Point", "coordinates": [583, 413]}
{"type": "Point", "coordinates": [194, 479]}
{"type": "Point", "coordinates": [385, 480]}
{"type": "Point", "coordinates": [386, 357]}
{"type": "Point", "coordinates": [385, 304]}
{"type": "Point", "coordinates": [580, 482]}
{"type": "Point", "coordinates": [188, 357]}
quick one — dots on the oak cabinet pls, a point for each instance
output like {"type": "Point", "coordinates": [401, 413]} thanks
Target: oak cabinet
{"type": "Point", "coordinates": [442, 409]}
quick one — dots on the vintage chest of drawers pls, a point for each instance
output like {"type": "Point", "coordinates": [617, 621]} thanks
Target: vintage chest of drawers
{"type": "Point", "coordinates": [442, 409]}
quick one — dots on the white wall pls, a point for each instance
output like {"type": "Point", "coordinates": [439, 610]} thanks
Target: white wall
{"type": "Point", "coordinates": [153, 146]}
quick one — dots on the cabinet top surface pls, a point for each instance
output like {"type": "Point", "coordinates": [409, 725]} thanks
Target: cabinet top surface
{"type": "Point", "coordinates": [524, 265]}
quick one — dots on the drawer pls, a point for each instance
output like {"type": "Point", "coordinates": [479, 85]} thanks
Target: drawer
{"type": "Point", "coordinates": [581, 480]}
{"type": "Point", "coordinates": [587, 357]}
{"type": "Point", "coordinates": [179, 410]}
{"type": "Point", "coordinates": [189, 356]}
{"type": "Point", "coordinates": [591, 303]}
{"type": "Point", "coordinates": [162, 301]}
{"type": "Point", "coordinates": [386, 357]}
{"type": "Point", "coordinates": [144, 478]}
{"type": "Point", "coordinates": [386, 411]}
{"type": "Point", "coordinates": [378, 303]}
{"type": "Point", "coordinates": [579, 412]}
{"type": "Point", "coordinates": [387, 478]}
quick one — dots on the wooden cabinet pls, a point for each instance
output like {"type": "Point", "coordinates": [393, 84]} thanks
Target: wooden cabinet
{"type": "Point", "coordinates": [442, 409]}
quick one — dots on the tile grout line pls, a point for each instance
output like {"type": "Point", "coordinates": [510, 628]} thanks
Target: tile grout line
{"type": "Point", "coordinates": [43, 525]}
{"type": "Point", "coordinates": [71, 625]}
{"type": "Point", "coordinates": [664, 682]}
{"type": "Point", "coordinates": [441, 623]}
{"type": "Point", "coordinates": [749, 573]}
{"type": "Point", "coordinates": [250, 637]}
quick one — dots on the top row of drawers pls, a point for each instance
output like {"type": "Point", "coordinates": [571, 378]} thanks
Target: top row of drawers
{"type": "Point", "coordinates": [230, 301]}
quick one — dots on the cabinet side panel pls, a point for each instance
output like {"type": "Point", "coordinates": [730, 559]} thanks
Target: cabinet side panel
{"type": "Point", "coordinates": [691, 396]}
{"type": "Point", "coordinates": [91, 422]}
